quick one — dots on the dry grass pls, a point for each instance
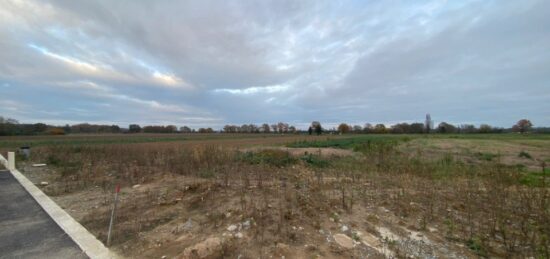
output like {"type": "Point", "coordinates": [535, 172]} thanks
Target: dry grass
{"type": "Point", "coordinates": [393, 203]}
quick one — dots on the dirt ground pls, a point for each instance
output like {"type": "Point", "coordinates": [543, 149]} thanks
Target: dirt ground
{"type": "Point", "coordinates": [324, 152]}
{"type": "Point", "coordinates": [179, 217]}
{"type": "Point", "coordinates": [208, 198]}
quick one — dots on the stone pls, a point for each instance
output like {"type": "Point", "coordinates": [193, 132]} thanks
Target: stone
{"type": "Point", "coordinates": [344, 228]}
{"type": "Point", "coordinates": [188, 225]}
{"type": "Point", "coordinates": [44, 183]}
{"type": "Point", "coordinates": [369, 240]}
{"type": "Point", "coordinates": [344, 241]}
{"type": "Point", "coordinates": [136, 186]}
{"type": "Point", "coordinates": [239, 235]}
{"type": "Point", "coordinates": [232, 228]}
{"type": "Point", "coordinates": [246, 224]}
{"type": "Point", "coordinates": [205, 249]}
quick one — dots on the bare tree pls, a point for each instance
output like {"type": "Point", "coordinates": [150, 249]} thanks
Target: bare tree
{"type": "Point", "coordinates": [265, 128]}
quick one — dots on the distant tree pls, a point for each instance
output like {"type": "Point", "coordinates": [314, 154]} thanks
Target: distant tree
{"type": "Point", "coordinates": [485, 128]}
{"type": "Point", "coordinates": [265, 128]}
{"type": "Point", "coordinates": [317, 127]}
{"type": "Point", "coordinates": [380, 128]}
{"type": "Point", "coordinates": [185, 129]}
{"type": "Point", "coordinates": [171, 129]}
{"type": "Point", "coordinates": [274, 128]}
{"type": "Point", "coordinates": [416, 128]}
{"type": "Point", "coordinates": [231, 129]}
{"type": "Point", "coordinates": [522, 126]}
{"type": "Point", "coordinates": [39, 128]}
{"type": "Point", "coordinates": [310, 130]}
{"type": "Point", "coordinates": [206, 130]}
{"type": "Point", "coordinates": [134, 128]}
{"type": "Point", "coordinates": [357, 128]}
{"type": "Point", "coordinates": [467, 128]}
{"type": "Point", "coordinates": [344, 128]}
{"type": "Point", "coordinates": [319, 130]}
{"type": "Point", "coordinates": [8, 120]}
{"type": "Point", "coordinates": [115, 129]}
{"type": "Point", "coordinates": [282, 127]}
{"type": "Point", "coordinates": [67, 129]}
{"type": "Point", "coordinates": [445, 127]}
{"type": "Point", "coordinates": [245, 128]}
{"type": "Point", "coordinates": [254, 128]}
{"type": "Point", "coordinates": [292, 129]}
{"type": "Point", "coordinates": [368, 128]}
{"type": "Point", "coordinates": [400, 128]}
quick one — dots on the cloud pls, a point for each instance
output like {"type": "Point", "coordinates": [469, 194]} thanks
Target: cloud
{"type": "Point", "coordinates": [254, 90]}
{"type": "Point", "coordinates": [209, 62]}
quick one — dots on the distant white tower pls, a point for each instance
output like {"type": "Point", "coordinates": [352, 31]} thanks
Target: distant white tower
{"type": "Point", "coordinates": [429, 123]}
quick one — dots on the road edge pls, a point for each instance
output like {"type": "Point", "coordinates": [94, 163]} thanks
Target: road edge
{"type": "Point", "coordinates": [80, 235]}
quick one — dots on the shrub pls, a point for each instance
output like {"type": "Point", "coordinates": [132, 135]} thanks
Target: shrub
{"type": "Point", "coordinates": [524, 154]}
{"type": "Point", "coordinates": [272, 157]}
{"type": "Point", "coordinates": [485, 156]}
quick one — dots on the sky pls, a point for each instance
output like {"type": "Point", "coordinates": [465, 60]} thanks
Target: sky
{"type": "Point", "coordinates": [210, 63]}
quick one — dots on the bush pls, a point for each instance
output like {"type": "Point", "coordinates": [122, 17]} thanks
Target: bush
{"type": "Point", "coordinates": [269, 156]}
{"type": "Point", "coordinates": [315, 161]}
{"type": "Point", "coordinates": [525, 155]}
{"type": "Point", "coordinates": [485, 156]}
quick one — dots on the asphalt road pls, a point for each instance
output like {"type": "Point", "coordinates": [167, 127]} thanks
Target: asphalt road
{"type": "Point", "coordinates": [27, 231]}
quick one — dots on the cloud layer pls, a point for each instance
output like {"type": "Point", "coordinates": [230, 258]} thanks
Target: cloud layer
{"type": "Point", "coordinates": [207, 63]}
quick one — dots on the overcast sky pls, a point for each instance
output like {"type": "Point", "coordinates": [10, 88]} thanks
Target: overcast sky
{"type": "Point", "coordinates": [208, 63]}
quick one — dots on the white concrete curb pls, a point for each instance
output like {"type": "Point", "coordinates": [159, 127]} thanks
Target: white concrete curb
{"type": "Point", "coordinates": [84, 239]}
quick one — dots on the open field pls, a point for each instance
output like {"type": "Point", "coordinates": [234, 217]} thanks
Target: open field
{"type": "Point", "coordinates": [257, 196]}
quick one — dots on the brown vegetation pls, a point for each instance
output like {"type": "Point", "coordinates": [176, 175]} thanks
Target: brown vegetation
{"type": "Point", "coordinates": [263, 202]}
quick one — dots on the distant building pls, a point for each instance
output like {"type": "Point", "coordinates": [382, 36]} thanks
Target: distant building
{"type": "Point", "coordinates": [428, 124]}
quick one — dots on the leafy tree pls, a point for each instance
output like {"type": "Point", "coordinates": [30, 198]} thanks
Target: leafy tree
{"type": "Point", "coordinates": [185, 129]}
{"type": "Point", "coordinates": [400, 128]}
{"type": "Point", "coordinates": [206, 130]}
{"type": "Point", "coordinates": [467, 128]}
{"type": "Point", "coordinates": [416, 127]}
{"type": "Point", "coordinates": [316, 126]}
{"type": "Point", "coordinates": [310, 130]}
{"type": "Point", "coordinates": [8, 120]}
{"type": "Point", "coordinates": [445, 127]}
{"type": "Point", "coordinates": [485, 128]}
{"type": "Point", "coordinates": [344, 128]}
{"type": "Point", "coordinates": [368, 128]}
{"type": "Point", "coordinates": [380, 128]}
{"type": "Point", "coordinates": [292, 129]}
{"type": "Point", "coordinates": [134, 128]}
{"type": "Point", "coordinates": [522, 126]}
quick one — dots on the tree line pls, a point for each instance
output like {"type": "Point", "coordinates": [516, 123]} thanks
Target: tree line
{"type": "Point", "coordinates": [12, 127]}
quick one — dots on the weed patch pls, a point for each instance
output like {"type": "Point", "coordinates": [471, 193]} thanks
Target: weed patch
{"type": "Point", "coordinates": [271, 157]}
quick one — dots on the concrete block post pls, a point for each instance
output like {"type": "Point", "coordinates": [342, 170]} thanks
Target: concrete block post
{"type": "Point", "coordinates": [11, 160]}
